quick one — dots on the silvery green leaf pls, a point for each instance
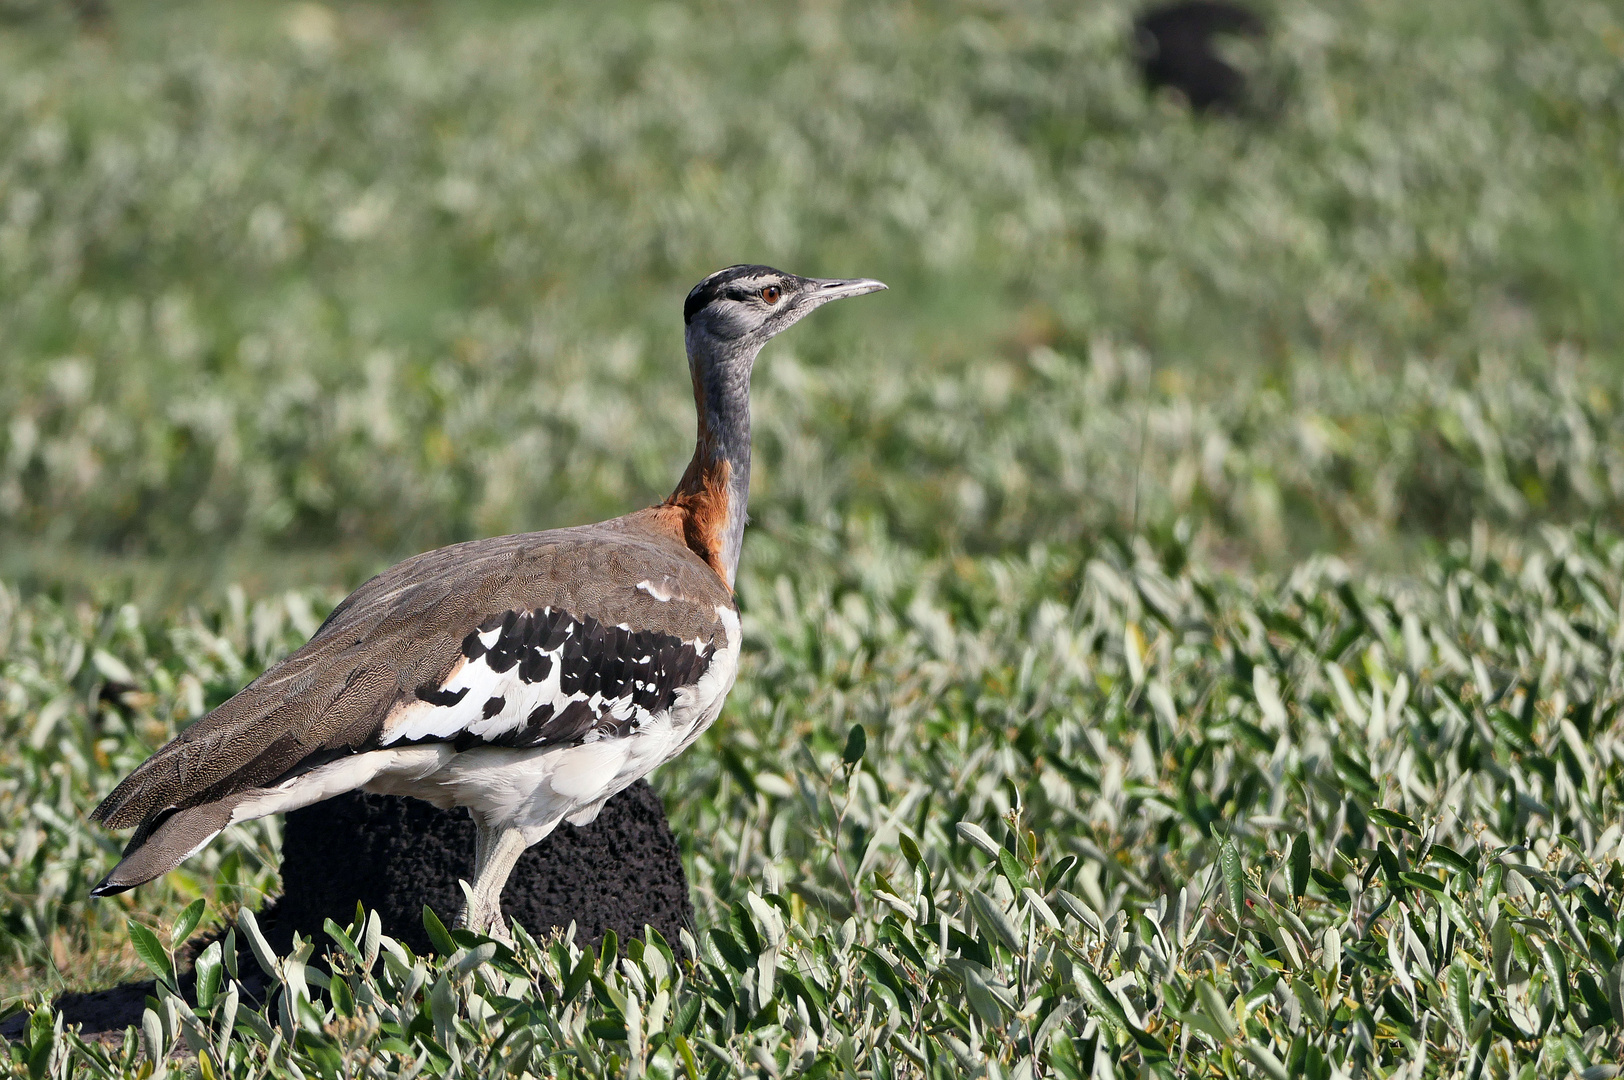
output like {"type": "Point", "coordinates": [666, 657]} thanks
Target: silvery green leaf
{"type": "Point", "coordinates": [1310, 1000]}
{"type": "Point", "coordinates": [1556, 966]}
{"type": "Point", "coordinates": [1053, 1023]}
{"type": "Point", "coordinates": [415, 978]}
{"type": "Point", "coordinates": [1500, 943]}
{"type": "Point", "coordinates": [112, 668]}
{"type": "Point", "coordinates": [915, 1054]}
{"type": "Point", "coordinates": [1458, 998]}
{"type": "Point", "coordinates": [895, 903]}
{"type": "Point", "coordinates": [1083, 913]}
{"type": "Point", "coordinates": [256, 942]}
{"type": "Point", "coordinates": [856, 745]}
{"type": "Point", "coordinates": [186, 923]}
{"type": "Point", "coordinates": [1133, 650]}
{"type": "Point", "coordinates": [226, 1021]}
{"type": "Point", "coordinates": [255, 1022]}
{"type": "Point", "coordinates": [1100, 1000]}
{"type": "Point", "coordinates": [1217, 1010]}
{"type": "Point", "coordinates": [1290, 919]}
{"type": "Point", "coordinates": [1265, 1060]}
{"type": "Point", "coordinates": [192, 1031]}
{"type": "Point", "coordinates": [341, 937]}
{"type": "Point", "coordinates": [981, 996]}
{"type": "Point", "coordinates": [473, 958]}
{"type": "Point", "coordinates": [967, 1058]}
{"type": "Point", "coordinates": [443, 1009]}
{"type": "Point", "coordinates": [151, 951]}
{"type": "Point", "coordinates": [1301, 863]}
{"type": "Point", "coordinates": [1229, 858]}
{"type": "Point", "coordinates": [634, 1028]}
{"type": "Point", "coordinates": [772, 923]}
{"type": "Point", "coordinates": [1267, 692]}
{"type": "Point", "coordinates": [1395, 956]}
{"type": "Point", "coordinates": [1331, 951]}
{"type": "Point", "coordinates": [975, 834]}
{"type": "Point", "coordinates": [206, 974]}
{"type": "Point", "coordinates": [990, 916]}
{"type": "Point", "coordinates": [152, 1035]}
{"type": "Point", "coordinates": [371, 940]}
{"type": "Point", "coordinates": [1199, 1021]}
{"type": "Point", "coordinates": [1162, 701]}
{"type": "Point", "coordinates": [1037, 903]}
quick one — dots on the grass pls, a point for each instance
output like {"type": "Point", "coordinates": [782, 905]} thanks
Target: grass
{"type": "Point", "coordinates": [1329, 823]}
{"type": "Point", "coordinates": [1214, 533]}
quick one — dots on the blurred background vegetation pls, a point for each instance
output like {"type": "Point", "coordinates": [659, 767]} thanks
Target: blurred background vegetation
{"type": "Point", "coordinates": [287, 292]}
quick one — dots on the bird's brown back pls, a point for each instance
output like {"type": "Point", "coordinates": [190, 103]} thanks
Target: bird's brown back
{"type": "Point", "coordinates": [404, 630]}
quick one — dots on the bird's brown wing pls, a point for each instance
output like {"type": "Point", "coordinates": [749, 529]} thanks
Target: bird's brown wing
{"type": "Point", "coordinates": [625, 618]}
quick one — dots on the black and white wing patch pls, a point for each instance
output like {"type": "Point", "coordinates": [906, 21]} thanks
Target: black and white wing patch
{"type": "Point", "coordinates": [544, 678]}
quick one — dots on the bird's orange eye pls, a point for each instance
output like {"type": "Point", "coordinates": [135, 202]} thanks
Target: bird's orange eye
{"type": "Point", "coordinates": [771, 294]}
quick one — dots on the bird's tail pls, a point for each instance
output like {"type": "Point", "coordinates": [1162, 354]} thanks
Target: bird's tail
{"type": "Point", "coordinates": [163, 842]}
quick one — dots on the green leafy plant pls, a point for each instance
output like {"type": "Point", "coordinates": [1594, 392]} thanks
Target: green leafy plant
{"type": "Point", "coordinates": [1107, 814]}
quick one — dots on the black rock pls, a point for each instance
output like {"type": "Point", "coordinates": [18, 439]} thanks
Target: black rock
{"type": "Point", "coordinates": [395, 855]}
{"type": "Point", "coordinates": [1176, 49]}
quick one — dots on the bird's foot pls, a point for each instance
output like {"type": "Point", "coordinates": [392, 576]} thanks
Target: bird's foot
{"type": "Point", "coordinates": [494, 927]}
{"type": "Point", "coordinates": [498, 930]}
{"type": "Point", "coordinates": [483, 915]}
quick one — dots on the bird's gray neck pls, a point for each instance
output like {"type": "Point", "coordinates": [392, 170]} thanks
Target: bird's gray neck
{"type": "Point", "coordinates": [715, 490]}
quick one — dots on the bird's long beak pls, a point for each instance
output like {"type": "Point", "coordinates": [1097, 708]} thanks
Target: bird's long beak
{"type": "Point", "coordinates": [839, 288]}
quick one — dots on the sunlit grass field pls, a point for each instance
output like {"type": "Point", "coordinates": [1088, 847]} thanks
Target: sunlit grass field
{"type": "Point", "coordinates": [1214, 531]}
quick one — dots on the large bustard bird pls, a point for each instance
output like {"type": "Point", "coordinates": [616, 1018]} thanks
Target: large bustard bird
{"type": "Point", "coordinates": [527, 678]}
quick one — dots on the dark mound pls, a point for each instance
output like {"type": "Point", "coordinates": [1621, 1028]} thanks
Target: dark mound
{"type": "Point", "coordinates": [394, 855]}
{"type": "Point", "coordinates": [1177, 49]}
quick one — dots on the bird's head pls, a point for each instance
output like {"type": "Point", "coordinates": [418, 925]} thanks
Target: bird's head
{"type": "Point", "coordinates": [740, 308]}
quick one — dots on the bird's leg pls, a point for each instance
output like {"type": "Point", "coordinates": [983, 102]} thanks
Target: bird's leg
{"type": "Point", "coordinates": [495, 852]}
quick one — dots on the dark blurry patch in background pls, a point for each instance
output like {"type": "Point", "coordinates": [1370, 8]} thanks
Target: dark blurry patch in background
{"type": "Point", "coordinates": [1179, 49]}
